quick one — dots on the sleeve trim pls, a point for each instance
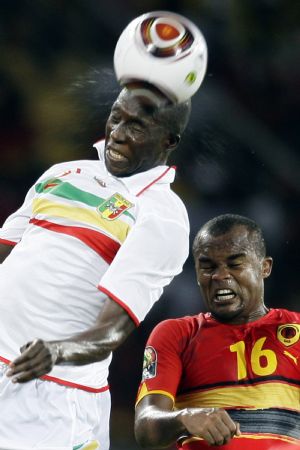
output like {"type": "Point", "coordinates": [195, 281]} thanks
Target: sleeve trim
{"type": "Point", "coordinates": [165, 393]}
{"type": "Point", "coordinates": [122, 304]}
{"type": "Point", "coordinates": [7, 242]}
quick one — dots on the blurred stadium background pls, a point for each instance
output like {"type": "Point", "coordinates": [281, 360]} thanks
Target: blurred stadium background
{"type": "Point", "coordinates": [240, 153]}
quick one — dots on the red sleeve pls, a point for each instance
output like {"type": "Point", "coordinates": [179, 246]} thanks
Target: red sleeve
{"type": "Point", "coordinates": [162, 365]}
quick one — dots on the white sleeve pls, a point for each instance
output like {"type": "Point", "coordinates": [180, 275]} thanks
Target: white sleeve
{"type": "Point", "coordinates": [14, 226]}
{"type": "Point", "coordinates": [153, 253]}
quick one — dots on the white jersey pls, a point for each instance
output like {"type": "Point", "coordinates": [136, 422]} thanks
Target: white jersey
{"type": "Point", "coordinates": [83, 234]}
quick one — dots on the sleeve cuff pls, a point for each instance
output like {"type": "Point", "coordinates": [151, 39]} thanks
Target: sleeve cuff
{"type": "Point", "coordinates": [122, 304]}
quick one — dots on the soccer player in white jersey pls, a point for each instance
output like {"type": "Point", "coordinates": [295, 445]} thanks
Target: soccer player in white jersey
{"type": "Point", "coordinates": [83, 261]}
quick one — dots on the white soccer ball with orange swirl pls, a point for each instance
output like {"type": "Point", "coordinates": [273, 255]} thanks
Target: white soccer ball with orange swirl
{"type": "Point", "coordinates": [164, 49]}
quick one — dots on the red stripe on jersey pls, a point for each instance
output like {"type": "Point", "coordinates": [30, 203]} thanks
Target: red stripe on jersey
{"type": "Point", "coordinates": [106, 247]}
{"type": "Point", "coordinates": [6, 242]}
{"type": "Point", "coordinates": [122, 304]}
{"type": "Point", "coordinates": [75, 385]}
{"type": "Point", "coordinates": [65, 382]}
{"type": "Point", "coordinates": [156, 180]}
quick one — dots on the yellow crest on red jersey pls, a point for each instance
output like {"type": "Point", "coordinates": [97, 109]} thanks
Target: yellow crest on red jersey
{"type": "Point", "coordinates": [288, 333]}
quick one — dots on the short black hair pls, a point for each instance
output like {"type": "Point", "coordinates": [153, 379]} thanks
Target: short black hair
{"type": "Point", "coordinates": [173, 116]}
{"type": "Point", "coordinates": [222, 224]}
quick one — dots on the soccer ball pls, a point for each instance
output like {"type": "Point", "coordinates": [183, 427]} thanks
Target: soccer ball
{"type": "Point", "coordinates": [164, 49]}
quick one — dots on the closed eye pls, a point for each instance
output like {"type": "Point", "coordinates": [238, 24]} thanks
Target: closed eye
{"type": "Point", "coordinates": [235, 264]}
{"type": "Point", "coordinates": [206, 267]}
{"type": "Point", "coordinates": [114, 118]}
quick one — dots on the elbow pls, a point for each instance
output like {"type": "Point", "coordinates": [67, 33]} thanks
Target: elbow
{"type": "Point", "coordinates": [146, 436]}
{"type": "Point", "coordinates": [145, 440]}
{"type": "Point", "coordinates": [141, 434]}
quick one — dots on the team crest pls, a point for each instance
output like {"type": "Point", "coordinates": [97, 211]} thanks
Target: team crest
{"type": "Point", "coordinates": [288, 334]}
{"type": "Point", "coordinates": [149, 363]}
{"type": "Point", "coordinates": [114, 206]}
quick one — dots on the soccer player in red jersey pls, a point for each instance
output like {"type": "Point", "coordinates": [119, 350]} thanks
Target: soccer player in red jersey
{"type": "Point", "coordinates": [229, 377]}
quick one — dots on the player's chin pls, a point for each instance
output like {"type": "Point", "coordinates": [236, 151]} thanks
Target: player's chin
{"type": "Point", "coordinates": [118, 169]}
{"type": "Point", "coordinates": [226, 311]}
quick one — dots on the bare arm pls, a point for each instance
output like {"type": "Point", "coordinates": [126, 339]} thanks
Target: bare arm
{"type": "Point", "coordinates": [38, 357]}
{"type": "Point", "coordinates": [157, 425]}
{"type": "Point", "coordinates": [4, 251]}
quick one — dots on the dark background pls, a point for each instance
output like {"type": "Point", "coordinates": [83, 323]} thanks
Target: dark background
{"type": "Point", "coordinates": [240, 152]}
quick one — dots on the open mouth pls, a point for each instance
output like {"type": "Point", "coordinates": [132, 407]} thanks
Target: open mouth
{"type": "Point", "coordinates": [224, 295]}
{"type": "Point", "coordinates": [116, 156]}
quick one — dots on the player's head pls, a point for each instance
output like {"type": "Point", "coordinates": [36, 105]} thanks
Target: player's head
{"type": "Point", "coordinates": [142, 129]}
{"type": "Point", "coordinates": [231, 265]}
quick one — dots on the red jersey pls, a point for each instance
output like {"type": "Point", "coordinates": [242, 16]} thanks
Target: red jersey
{"type": "Point", "coordinates": [251, 370]}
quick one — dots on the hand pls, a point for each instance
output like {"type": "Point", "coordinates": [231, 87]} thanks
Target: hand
{"type": "Point", "coordinates": [214, 425]}
{"type": "Point", "coordinates": [37, 358]}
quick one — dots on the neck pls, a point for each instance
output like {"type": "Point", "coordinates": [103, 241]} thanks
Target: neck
{"type": "Point", "coordinates": [255, 315]}
{"type": "Point", "coordinates": [261, 311]}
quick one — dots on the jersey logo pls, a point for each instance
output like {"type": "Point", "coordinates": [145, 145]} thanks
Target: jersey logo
{"type": "Point", "coordinates": [114, 206]}
{"type": "Point", "coordinates": [294, 358]}
{"type": "Point", "coordinates": [149, 363]}
{"type": "Point", "coordinates": [288, 334]}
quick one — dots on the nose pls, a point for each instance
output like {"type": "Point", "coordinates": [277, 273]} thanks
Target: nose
{"type": "Point", "coordinates": [220, 273]}
{"type": "Point", "coordinates": [118, 133]}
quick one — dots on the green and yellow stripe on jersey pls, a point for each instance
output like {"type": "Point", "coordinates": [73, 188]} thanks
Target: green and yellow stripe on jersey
{"type": "Point", "coordinates": [63, 208]}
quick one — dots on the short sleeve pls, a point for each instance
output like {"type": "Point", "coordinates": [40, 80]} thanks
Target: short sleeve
{"type": "Point", "coordinates": [153, 253]}
{"type": "Point", "coordinates": [162, 366]}
{"type": "Point", "coordinates": [14, 226]}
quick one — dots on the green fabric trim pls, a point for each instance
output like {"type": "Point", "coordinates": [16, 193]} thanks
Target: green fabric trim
{"type": "Point", "coordinates": [70, 192]}
{"type": "Point", "coordinates": [77, 447]}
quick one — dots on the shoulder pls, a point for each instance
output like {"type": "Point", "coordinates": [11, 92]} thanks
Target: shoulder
{"type": "Point", "coordinates": [60, 169]}
{"type": "Point", "coordinates": [183, 326]}
{"type": "Point", "coordinates": [73, 165]}
{"type": "Point", "coordinates": [173, 336]}
{"type": "Point", "coordinates": [283, 314]}
{"type": "Point", "coordinates": [164, 204]}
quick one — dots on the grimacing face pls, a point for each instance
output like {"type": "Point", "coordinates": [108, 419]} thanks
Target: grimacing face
{"type": "Point", "coordinates": [231, 276]}
{"type": "Point", "coordinates": [135, 141]}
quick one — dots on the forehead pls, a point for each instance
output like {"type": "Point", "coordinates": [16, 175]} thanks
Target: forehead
{"type": "Point", "coordinates": [236, 241]}
{"type": "Point", "coordinates": [139, 101]}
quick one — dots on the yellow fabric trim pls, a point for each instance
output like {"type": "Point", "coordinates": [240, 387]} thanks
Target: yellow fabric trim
{"type": "Point", "coordinates": [94, 445]}
{"type": "Point", "coordinates": [266, 395]}
{"type": "Point", "coordinates": [117, 228]}
{"type": "Point", "coordinates": [269, 436]}
{"type": "Point", "coordinates": [144, 391]}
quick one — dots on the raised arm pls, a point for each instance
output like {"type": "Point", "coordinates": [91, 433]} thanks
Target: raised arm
{"type": "Point", "coordinates": [95, 344]}
{"type": "Point", "coordinates": [158, 424]}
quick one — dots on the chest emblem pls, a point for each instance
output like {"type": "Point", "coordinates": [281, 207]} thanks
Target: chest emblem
{"type": "Point", "coordinates": [114, 206]}
{"type": "Point", "coordinates": [288, 334]}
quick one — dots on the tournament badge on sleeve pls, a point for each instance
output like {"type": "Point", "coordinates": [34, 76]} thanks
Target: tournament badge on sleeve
{"type": "Point", "coordinates": [149, 363]}
{"type": "Point", "coordinates": [114, 206]}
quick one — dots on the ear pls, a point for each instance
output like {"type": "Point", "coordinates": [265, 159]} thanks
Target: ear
{"type": "Point", "coordinates": [173, 141]}
{"type": "Point", "coordinates": [267, 267]}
